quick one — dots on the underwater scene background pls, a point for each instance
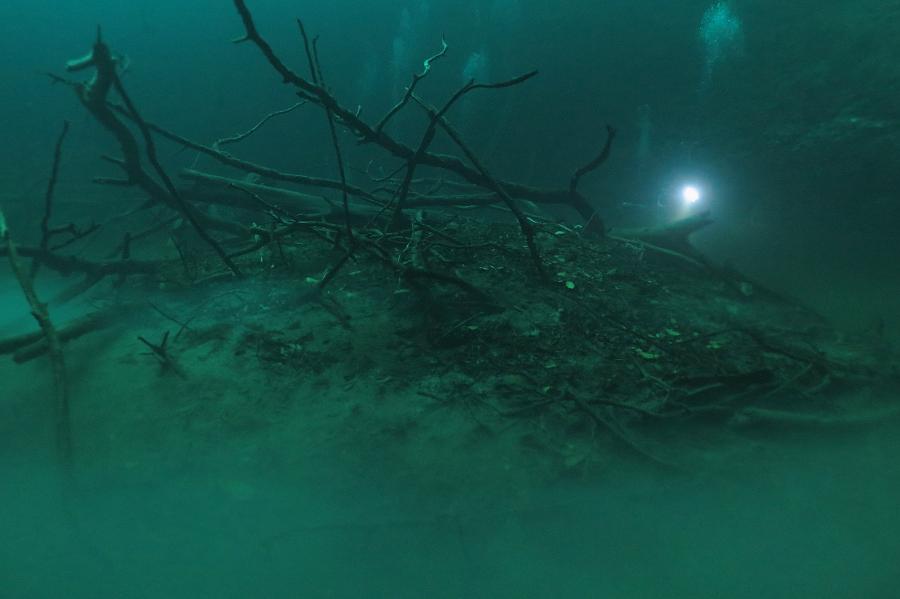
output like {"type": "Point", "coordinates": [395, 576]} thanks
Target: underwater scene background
{"type": "Point", "coordinates": [419, 298]}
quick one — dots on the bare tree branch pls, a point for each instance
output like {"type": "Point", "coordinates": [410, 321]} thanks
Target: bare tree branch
{"type": "Point", "coordinates": [596, 162]}
{"type": "Point", "coordinates": [94, 97]}
{"type": "Point", "coordinates": [411, 88]}
{"type": "Point", "coordinates": [39, 311]}
{"type": "Point", "coordinates": [242, 136]}
{"type": "Point", "coordinates": [368, 133]}
{"type": "Point", "coordinates": [48, 198]}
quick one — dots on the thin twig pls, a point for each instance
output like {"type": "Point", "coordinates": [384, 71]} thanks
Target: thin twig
{"type": "Point", "coordinates": [524, 224]}
{"type": "Point", "coordinates": [46, 233]}
{"type": "Point", "coordinates": [316, 70]}
{"type": "Point", "coordinates": [242, 136]}
{"type": "Point", "coordinates": [426, 68]}
{"type": "Point", "coordinates": [161, 351]}
{"type": "Point", "coordinates": [596, 162]}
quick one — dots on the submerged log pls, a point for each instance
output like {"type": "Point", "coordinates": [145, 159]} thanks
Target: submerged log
{"type": "Point", "coordinates": [216, 189]}
{"type": "Point", "coordinates": [28, 346]}
{"type": "Point", "coordinates": [674, 236]}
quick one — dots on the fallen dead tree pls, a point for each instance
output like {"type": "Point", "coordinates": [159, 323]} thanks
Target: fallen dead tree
{"type": "Point", "coordinates": [384, 206]}
{"type": "Point", "coordinates": [597, 346]}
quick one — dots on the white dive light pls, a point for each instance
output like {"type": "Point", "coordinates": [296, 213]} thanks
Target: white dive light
{"type": "Point", "coordinates": [690, 194]}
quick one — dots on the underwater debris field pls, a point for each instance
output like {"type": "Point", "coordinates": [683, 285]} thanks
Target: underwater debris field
{"type": "Point", "coordinates": [630, 352]}
{"type": "Point", "coordinates": [455, 406]}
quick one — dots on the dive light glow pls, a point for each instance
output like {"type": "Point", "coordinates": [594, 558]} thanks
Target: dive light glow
{"type": "Point", "coordinates": [690, 194]}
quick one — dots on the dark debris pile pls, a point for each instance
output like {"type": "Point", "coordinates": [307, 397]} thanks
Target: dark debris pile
{"type": "Point", "coordinates": [616, 337]}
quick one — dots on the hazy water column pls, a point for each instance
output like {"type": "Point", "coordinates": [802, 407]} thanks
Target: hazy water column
{"type": "Point", "coordinates": [722, 37]}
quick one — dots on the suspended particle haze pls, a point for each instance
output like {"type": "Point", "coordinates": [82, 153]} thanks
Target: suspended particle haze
{"type": "Point", "coordinates": [506, 13]}
{"type": "Point", "coordinates": [722, 38]}
{"type": "Point", "coordinates": [400, 52]}
{"type": "Point", "coordinates": [644, 138]}
{"type": "Point", "coordinates": [476, 67]}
